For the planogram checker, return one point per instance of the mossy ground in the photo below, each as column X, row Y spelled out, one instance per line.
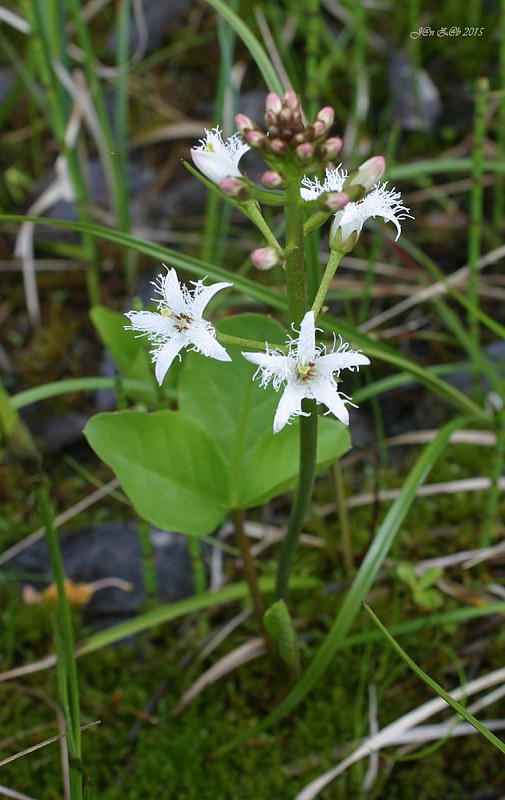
column 140, row 747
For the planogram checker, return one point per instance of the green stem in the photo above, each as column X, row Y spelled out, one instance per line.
column 476, row 204
column 66, row 637
column 148, row 563
column 252, row 212
column 226, row 338
column 237, row 518
column 491, row 526
column 295, row 254
column 334, row 260
column 499, row 197
column 295, row 285
column 199, row 580
column 307, row 473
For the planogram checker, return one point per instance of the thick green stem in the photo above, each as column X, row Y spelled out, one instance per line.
column 295, row 255
column 331, row 267
column 307, row 472
column 65, row 640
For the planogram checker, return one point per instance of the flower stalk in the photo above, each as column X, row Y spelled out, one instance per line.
column 295, row 255
column 306, row 477
column 333, row 264
column 237, row 518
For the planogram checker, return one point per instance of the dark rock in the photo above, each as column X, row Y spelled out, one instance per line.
column 53, row 433
column 112, row 550
column 416, row 104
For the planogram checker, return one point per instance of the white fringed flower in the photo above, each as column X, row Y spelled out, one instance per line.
column 219, row 159
column 178, row 323
column 379, row 202
column 307, row 371
column 333, row 182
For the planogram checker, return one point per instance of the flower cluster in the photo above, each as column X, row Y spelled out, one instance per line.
column 289, row 146
column 293, row 151
column 288, row 138
column 306, row 369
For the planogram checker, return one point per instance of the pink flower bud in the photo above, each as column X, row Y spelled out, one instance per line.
column 273, row 103
column 327, row 116
column 271, row 121
column 255, row 138
column 244, row 123
column 367, row 173
column 336, row 200
column 285, row 117
column 236, row 188
column 292, row 101
column 330, row 149
column 278, row 147
column 318, row 128
column 305, row 151
column 265, row 258
column 272, row 179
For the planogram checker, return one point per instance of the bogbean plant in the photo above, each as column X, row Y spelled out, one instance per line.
column 232, row 444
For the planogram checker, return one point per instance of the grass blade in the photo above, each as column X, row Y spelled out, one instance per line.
column 436, row 687
column 263, row 63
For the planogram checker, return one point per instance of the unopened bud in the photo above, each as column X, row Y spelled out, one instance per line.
column 272, row 179
column 367, row 174
column 327, row 116
column 335, row 201
column 278, row 147
column 244, row 123
column 255, row 138
column 273, row 103
column 271, row 122
column 317, row 129
column 285, row 117
column 265, row 258
column 292, row 101
column 237, row 188
column 329, row 150
column 305, row 151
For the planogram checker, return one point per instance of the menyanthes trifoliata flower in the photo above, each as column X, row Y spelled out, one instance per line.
column 379, row 202
column 307, row 371
column 348, row 222
column 178, row 323
column 333, row 182
column 219, row 159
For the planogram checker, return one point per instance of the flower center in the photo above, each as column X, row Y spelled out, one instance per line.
column 305, row 372
column 182, row 322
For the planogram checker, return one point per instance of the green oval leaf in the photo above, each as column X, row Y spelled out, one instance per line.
column 168, row 466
